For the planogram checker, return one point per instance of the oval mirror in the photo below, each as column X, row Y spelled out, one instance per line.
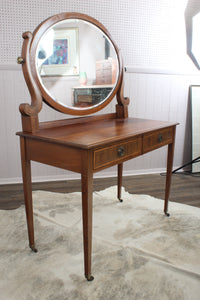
column 76, row 64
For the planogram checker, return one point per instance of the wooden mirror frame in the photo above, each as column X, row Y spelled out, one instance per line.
column 29, row 112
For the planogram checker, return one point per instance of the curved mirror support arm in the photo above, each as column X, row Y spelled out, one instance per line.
column 123, row 102
column 26, row 109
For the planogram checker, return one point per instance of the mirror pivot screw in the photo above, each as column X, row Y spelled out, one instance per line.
column 20, row 60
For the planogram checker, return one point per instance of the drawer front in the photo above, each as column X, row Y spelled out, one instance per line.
column 117, row 153
column 157, row 139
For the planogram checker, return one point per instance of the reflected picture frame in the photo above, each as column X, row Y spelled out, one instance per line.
column 63, row 57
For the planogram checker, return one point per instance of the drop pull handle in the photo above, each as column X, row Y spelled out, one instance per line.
column 120, row 151
column 160, row 138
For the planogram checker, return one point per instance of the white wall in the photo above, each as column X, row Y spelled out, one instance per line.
column 151, row 36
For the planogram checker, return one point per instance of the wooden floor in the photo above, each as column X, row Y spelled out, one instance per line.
column 184, row 189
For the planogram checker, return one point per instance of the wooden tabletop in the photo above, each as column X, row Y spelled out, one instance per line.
column 92, row 134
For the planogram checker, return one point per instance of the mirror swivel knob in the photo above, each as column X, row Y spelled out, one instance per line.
column 20, row 60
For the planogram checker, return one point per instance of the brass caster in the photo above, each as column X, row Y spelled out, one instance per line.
column 120, row 200
column 33, row 249
column 89, row 277
column 167, row 214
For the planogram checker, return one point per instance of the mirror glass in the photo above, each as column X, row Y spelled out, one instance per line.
column 77, row 64
column 195, row 103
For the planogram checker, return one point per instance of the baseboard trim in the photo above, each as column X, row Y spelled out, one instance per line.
column 75, row 176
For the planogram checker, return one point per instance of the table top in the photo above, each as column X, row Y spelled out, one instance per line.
column 97, row 133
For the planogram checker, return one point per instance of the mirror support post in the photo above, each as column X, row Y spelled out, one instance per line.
column 30, row 123
column 122, row 111
column 123, row 102
column 29, row 112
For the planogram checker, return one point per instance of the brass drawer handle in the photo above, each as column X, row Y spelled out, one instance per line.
column 160, row 138
column 120, row 151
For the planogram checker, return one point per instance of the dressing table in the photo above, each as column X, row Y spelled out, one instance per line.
column 83, row 144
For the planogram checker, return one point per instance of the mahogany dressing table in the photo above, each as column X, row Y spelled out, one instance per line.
column 83, row 144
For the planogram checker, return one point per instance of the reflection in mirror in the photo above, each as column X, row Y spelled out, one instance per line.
column 195, row 102
column 77, row 63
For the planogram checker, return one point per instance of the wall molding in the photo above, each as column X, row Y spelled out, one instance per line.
column 128, row 69
column 74, row 176
column 10, row 67
column 159, row 71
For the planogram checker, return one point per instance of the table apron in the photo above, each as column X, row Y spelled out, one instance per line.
column 56, row 155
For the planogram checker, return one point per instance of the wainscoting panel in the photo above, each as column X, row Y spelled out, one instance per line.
column 152, row 96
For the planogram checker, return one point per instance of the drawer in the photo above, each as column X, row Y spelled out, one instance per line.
column 157, row 139
column 117, row 153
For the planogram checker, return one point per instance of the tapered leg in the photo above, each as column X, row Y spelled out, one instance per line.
column 168, row 177
column 87, row 189
column 119, row 182
column 26, row 173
